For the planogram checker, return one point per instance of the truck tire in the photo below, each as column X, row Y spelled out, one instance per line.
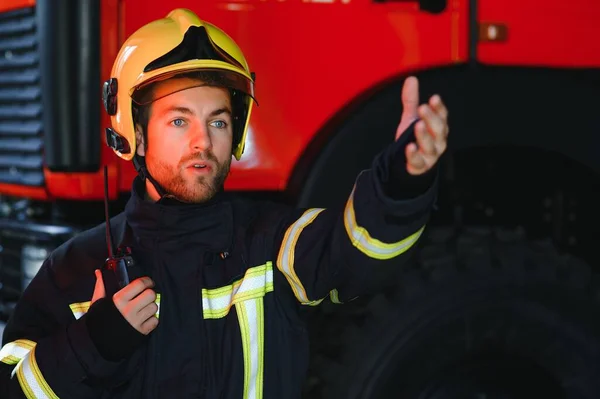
column 481, row 314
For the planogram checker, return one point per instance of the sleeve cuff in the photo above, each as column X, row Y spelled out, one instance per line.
column 390, row 170
column 112, row 335
column 394, row 186
column 67, row 365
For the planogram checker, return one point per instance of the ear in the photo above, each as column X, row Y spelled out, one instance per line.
column 139, row 139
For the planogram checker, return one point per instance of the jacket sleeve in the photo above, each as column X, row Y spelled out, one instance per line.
column 46, row 352
column 346, row 252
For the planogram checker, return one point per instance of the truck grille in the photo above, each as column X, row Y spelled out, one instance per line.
column 10, row 267
column 20, row 100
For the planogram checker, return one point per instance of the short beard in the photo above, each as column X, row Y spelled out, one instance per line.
column 178, row 187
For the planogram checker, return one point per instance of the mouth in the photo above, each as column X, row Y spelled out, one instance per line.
column 199, row 166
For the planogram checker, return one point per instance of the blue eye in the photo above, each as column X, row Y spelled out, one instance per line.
column 219, row 124
column 178, row 122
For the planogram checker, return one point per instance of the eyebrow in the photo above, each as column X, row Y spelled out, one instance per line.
column 188, row 111
column 224, row 110
column 182, row 110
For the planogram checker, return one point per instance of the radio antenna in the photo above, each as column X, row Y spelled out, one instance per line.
column 109, row 238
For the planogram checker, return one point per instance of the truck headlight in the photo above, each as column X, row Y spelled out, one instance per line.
column 32, row 258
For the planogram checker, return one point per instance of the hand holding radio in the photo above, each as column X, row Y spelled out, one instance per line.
column 136, row 302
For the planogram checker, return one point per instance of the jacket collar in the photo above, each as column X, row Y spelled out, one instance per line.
column 175, row 225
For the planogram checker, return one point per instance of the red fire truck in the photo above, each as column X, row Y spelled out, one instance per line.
column 503, row 297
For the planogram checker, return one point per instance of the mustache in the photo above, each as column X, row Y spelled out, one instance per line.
column 199, row 156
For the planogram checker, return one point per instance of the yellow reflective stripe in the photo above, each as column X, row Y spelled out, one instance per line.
column 252, row 321
column 10, row 359
column 370, row 246
column 256, row 283
column 247, row 296
column 80, row 308
column 157, row 301
column 314, row 303
column 13, row 352
column 31, row 379
column 335, row 297
column 285, row 260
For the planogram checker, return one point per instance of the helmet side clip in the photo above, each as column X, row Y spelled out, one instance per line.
column 117, row 142
column 109, row 96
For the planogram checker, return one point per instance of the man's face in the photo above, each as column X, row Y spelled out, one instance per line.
column 189, row 140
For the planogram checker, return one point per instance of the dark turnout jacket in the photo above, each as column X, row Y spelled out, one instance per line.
column 233, row 281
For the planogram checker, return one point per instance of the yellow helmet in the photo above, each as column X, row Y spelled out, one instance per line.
column 179, row 43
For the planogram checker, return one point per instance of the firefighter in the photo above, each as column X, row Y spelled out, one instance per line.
column 218, row 291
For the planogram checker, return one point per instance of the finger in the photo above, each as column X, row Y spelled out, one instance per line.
column 133, row 289
column 147, row 311
column 99, row 290
column 425, row 141
column 149, row 325
column 415, row 160
column 438, row 106
column 435, row 124
column 141, row 301
column 411, row 149
column 440, row 147
column 410, row 104
column 410, row 97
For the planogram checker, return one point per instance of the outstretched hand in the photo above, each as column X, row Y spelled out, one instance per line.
column 431, row 131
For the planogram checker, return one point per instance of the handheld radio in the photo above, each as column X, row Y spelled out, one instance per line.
column 120, row 261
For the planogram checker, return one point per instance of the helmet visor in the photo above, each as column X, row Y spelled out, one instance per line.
column 181, row 80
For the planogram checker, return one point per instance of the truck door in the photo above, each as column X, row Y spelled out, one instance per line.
column 550, row 33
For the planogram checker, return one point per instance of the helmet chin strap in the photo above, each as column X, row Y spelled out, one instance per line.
column 139, row 163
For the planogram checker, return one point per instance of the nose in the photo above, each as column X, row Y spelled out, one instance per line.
column 200, row 139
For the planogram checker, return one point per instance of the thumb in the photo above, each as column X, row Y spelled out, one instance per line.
column 410, row 104
column 99, row 291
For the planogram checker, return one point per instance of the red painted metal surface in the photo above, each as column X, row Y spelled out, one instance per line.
column 82, row 185
column 549, row 33
column 8, row 5
column 87, row 186
column 313, row 57
column 38, row 193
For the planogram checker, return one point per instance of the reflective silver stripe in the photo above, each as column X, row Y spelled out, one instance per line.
column 13, row 352
column 285, row 261
column 370, row 246
column 256, row 283
column 32, row 381
column 251, row 318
